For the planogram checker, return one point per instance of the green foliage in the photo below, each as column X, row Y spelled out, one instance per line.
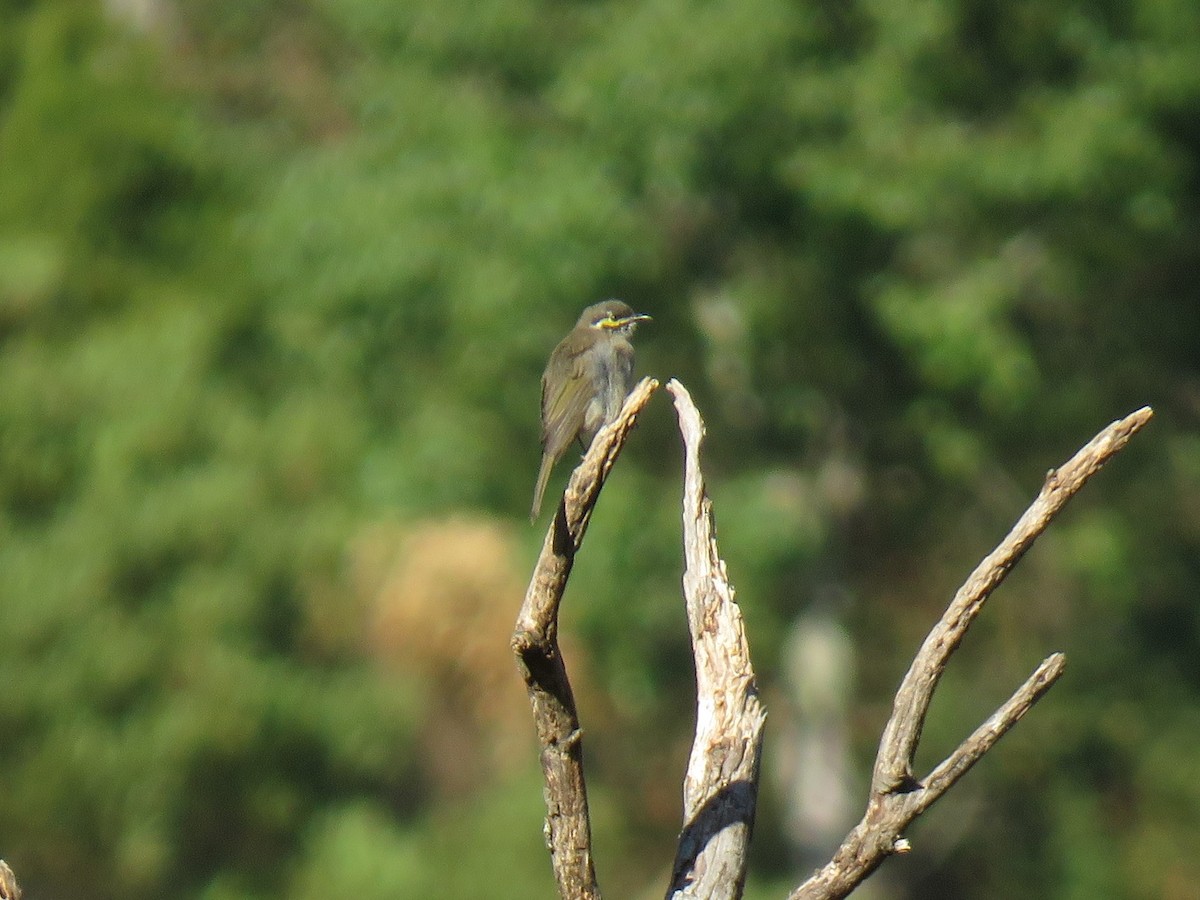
column 274, row 273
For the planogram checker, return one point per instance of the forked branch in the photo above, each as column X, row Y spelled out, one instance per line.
column 897, row 796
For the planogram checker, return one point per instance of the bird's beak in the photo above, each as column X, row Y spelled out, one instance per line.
column 636, row 317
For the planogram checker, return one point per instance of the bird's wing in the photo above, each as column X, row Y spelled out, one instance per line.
column 563, row 410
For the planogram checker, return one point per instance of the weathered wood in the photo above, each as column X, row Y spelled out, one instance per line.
column 535, row 643
column 897, row 796
column 721, row 786
column 9, row 889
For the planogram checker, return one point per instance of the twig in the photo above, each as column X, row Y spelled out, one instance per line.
column 897, row 797
column 535, row 643
column 721, row 786
column 969, row 752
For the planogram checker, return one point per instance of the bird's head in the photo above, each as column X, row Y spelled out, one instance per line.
column 611, row 317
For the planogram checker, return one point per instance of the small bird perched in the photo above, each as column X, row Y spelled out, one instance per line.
column 585, row 384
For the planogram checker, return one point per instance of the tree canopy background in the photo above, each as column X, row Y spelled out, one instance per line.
column 277, row 282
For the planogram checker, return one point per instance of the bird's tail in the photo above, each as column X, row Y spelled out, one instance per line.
column 540, row 489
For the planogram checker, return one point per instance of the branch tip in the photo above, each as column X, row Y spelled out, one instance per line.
column 720, row 788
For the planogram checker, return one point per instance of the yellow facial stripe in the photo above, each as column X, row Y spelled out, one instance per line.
column 610, row 321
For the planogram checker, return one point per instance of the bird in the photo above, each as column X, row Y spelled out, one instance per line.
column 588, row 377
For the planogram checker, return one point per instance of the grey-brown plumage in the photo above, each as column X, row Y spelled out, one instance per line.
column 588, row 377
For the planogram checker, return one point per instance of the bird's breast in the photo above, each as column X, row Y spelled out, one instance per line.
column 615, row 369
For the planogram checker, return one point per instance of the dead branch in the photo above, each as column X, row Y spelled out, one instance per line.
column 721, row 786
column 535, row 643
column 9, row 889
column 897, row 797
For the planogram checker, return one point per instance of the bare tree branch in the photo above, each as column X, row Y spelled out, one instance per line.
column 535, row 643
column 969, row 752
column 893, row 765
column 9, row 889
column 721, row 786
column 897, row 797
column 720, row 789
